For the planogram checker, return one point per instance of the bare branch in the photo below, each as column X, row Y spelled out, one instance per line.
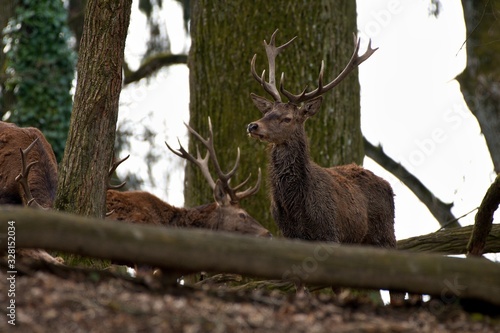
column 152, row 65
column 484, row 219
column 440, row 210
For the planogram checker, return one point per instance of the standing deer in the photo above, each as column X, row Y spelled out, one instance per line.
column 224, row 214
column 343, row 204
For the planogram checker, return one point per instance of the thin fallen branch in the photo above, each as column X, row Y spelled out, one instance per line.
column 311, row 262
column 440, row 210
column 484, row 219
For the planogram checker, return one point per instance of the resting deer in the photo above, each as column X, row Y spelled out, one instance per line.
column 224, row 214
column 36, row 185
column 343, row 204
column 15, row 186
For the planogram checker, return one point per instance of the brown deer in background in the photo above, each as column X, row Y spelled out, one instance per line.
column 344, row 204
column 225, row 214
column 35, row 184
column 35, row 187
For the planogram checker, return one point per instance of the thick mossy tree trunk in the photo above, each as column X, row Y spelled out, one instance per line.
column 83, row 172
column 480, row 80
column 225, row 36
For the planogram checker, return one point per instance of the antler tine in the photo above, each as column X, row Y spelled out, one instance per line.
column 354, row 62
column 201, row 163
column 250, row 191
column 227, row 176
column 271, row 51
column 291, row 97
column 114, row 166
column 22, row 178
column 262, row 81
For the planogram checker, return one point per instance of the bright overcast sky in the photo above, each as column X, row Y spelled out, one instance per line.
column 411, row 104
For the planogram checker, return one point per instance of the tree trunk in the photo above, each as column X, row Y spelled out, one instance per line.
column 225, row 35
column 310, row 262
column 484, row 219
column 480, row 81
column 83, row 172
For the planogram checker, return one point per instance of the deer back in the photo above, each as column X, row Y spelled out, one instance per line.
column 43, row 177
column 145, row 208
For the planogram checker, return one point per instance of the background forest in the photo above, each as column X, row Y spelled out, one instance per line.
column 429, row 95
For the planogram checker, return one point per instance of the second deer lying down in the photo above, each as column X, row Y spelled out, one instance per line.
column 223, row 214
column 30, row 178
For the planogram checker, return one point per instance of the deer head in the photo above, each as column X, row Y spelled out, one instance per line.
column 230, row 216
column 282, row 119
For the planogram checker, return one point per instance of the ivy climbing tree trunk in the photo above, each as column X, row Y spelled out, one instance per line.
column 83, row 171
column 225, row 35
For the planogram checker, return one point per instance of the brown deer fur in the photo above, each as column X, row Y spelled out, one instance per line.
column 145, row 208
column 43, row 176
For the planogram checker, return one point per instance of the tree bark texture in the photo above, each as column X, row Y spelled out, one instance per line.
column 310, row 262
column 484, row 219
column 225, row 36
column 83, row 171
column 450, row 241
column 480, row 81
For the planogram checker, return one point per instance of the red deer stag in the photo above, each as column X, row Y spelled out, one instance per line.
column 344, row 204
column 35, row 187
column 224, row 214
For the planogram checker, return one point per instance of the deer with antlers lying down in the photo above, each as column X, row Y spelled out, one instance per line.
column 343, row 204
column 36, row 185
column 223, row 214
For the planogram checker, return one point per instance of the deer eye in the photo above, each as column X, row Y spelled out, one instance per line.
column 242, row 216
column 286, row 120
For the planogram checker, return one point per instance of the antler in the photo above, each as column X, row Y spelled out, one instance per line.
column 272, row 51
column 22, row 178
column 270, row 87
column 112, row 169
column 202, row 164
column 354, row 62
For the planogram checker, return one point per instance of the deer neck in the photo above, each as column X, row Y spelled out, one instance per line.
column 204, row 216
column 290, row 163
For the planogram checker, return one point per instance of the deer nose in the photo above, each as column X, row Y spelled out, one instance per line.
column 252, row 127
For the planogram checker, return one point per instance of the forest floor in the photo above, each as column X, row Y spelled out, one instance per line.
column 51, row 299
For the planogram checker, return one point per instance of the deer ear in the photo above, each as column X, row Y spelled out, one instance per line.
column 310, row 108
column 264, row 105
column 220, row 195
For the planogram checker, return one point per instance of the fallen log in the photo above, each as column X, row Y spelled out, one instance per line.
column 450, row 241
column 311, row 262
